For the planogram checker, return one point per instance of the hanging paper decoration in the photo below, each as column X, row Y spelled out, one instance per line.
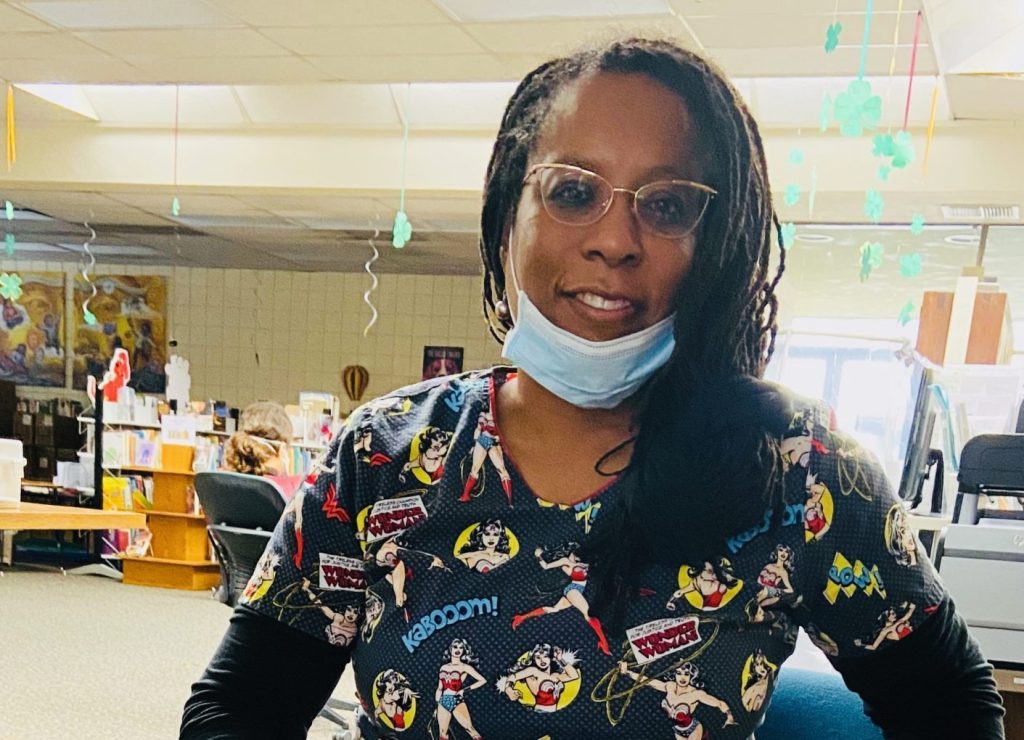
column 814, row 191
column 857, row 109
column 12, row 146
column 9, row 210
column 902, row 149
column 905, row 313
column 88, row 315
column 792, row 194
column 401, row 232
column 369, row 271
column 788, row 234
column 10, row 286
column 913, row 66
column 832, row 37
column 910, row 265
column 931, row 127
column 874, row 204
column 9, row 244
column 917, row 224
column 355, row 378
column 825, row 113
column 796, row 156
column 883, row 172
column 870, row 259
column 867, row 38
column 175, row 206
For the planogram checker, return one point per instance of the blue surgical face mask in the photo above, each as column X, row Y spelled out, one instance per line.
column 588, row 374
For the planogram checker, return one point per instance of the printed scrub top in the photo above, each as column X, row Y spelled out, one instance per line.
column 417, row 548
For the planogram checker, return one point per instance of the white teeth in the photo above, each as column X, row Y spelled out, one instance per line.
column 596, row 301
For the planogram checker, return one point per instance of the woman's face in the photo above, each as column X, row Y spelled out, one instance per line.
column 632, row 131
column 682, row 677
column 457, row 651
column 541, row 660
column 491, row 537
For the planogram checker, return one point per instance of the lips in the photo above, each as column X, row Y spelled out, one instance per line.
column 603, row 303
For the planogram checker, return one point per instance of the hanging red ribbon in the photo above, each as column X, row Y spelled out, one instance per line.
column 913, row 65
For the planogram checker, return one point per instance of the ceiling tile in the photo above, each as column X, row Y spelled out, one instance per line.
column 812, row 61
column 415, row 68
column 779, row 30
column 325, row 13
column 559, row 37
column 198, row 42
column 747, row 8
column 333, row 104
column 226, row 70
column 207, row 205
column 375, row 40
column 97, row 68
column 12, row 19
column 41, row 46
column 112, row 14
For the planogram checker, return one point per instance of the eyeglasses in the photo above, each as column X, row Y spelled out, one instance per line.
column 578, row 197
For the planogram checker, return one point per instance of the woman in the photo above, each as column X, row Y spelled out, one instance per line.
column 710, row 582
column 545, row 671
column 891, row 626
column 395, row 699
column 774, row 581
column 260, row 446
column 758, row 683
column 341, row 625
column 683, row 697
column 627, row 230
column 488, row 547
column 451, row 687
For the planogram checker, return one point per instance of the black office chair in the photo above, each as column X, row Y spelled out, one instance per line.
column 241, row 513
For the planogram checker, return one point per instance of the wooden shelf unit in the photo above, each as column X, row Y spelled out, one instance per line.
column 180, row 548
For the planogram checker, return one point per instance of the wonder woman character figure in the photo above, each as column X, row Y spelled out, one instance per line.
column 816, row 524
column 460, row 666
column 341, row 630
column 683, row 695
column 774, row 580
column 711, row 582
column 891, row 626
column 389, row 555
column 488, row 547
column 427, row 456
column 565, row 557
column 395, row 700
column 758, row 682
column 545, row 670
column 899, row 540
column 488, row 446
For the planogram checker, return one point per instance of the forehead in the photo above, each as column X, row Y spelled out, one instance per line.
column 618, row 122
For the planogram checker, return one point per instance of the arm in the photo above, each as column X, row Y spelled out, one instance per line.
column 262, row 665
column 671, row 605
column 654, row 683
column 705, row 698
column 479, row 680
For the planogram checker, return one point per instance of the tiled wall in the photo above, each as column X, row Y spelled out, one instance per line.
column 306, row 327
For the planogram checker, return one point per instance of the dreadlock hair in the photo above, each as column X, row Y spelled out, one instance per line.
column 705, row 464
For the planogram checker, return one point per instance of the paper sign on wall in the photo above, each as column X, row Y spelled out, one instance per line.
column 178, row 430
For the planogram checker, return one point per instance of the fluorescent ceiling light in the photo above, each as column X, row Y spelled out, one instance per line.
column 27, row 214
column 121, row 14
column 114, row 251
column 488, row 11
column 69, row 97
column 22, row 247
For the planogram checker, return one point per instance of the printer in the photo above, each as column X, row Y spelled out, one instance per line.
column 981, row 556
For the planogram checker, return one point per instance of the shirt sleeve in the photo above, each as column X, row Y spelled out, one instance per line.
column 311, row 576
column 866, row 581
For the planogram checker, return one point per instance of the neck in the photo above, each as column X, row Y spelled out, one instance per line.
column 550, row 416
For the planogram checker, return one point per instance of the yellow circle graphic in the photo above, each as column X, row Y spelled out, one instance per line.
column 463, row 540
column 696, row 599
column 570, row 690
column 408, row 716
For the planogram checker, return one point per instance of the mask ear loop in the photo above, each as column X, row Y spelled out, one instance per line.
column 504, row 308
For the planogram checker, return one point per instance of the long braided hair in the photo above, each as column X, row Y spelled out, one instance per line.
column 705, row 464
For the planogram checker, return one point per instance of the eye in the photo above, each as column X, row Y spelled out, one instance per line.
column 665, row 206
column 570, row 192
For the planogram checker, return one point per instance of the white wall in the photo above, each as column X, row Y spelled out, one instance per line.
column 306, row 327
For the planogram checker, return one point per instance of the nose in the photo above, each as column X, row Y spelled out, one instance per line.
column 615, row 237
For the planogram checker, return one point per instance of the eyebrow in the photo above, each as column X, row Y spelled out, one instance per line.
column 660, row 172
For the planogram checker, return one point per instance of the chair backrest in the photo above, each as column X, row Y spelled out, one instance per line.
column 238, row 551
column 238, row 500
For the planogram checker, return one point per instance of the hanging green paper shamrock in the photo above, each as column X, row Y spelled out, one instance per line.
column 857, row 109
column 910, row 265
column 825, row 112
column 796, row 156
column 788, row 234
column 9, row 244
column 883, row 172
column 792, row 194
column 905, row 313
column 874, row 204
column 917, row 224
column 9, row 208
column 903, row 149
column 10, row 286
column 883, row 145
column 832, row 37
column 402, row 230
column 175, row 207
column 870, row 259
column 90, row 317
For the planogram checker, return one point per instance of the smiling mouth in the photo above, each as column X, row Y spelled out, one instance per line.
column 603, row 304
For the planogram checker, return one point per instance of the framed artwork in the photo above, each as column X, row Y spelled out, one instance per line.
column 441, row 361
column 32, row 331
column 131, row 312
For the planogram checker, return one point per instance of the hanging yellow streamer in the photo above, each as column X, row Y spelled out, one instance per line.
column 12, row 149
column 931, row 126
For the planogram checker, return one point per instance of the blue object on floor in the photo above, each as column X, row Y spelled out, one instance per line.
column 808, row 705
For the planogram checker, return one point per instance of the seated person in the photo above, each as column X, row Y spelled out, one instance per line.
column 260, row 446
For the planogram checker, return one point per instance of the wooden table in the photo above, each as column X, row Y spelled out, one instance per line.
column 44, row 516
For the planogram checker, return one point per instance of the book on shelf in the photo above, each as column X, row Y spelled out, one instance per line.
column 140, row 544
